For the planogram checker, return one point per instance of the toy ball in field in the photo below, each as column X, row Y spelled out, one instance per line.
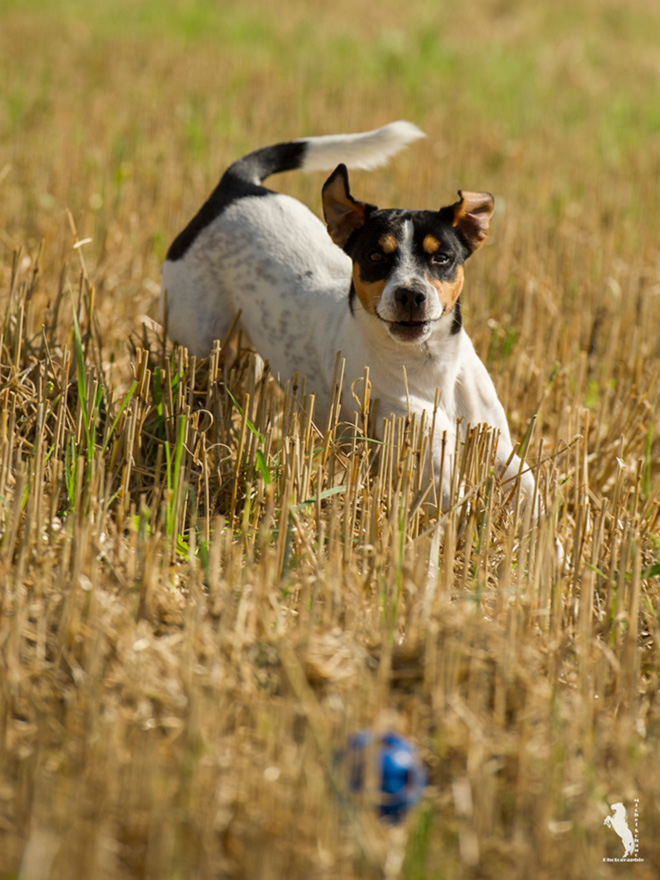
column 398, row 772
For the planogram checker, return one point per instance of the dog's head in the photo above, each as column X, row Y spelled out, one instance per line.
column 407, row 265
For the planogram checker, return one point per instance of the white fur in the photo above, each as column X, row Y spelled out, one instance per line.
column 366, row 150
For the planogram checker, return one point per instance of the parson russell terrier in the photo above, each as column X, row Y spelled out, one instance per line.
column 383, row 288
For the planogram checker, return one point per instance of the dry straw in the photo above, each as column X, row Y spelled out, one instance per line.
column 204, row 592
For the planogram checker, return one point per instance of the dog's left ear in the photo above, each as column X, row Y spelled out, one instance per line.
column 471, row 216
column 343, row 214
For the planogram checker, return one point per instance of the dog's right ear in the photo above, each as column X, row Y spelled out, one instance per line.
column 343, row 214
column 471, row 216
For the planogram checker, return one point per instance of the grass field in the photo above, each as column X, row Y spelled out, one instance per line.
column 201, row 593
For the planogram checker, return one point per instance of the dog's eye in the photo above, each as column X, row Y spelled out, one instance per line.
column 440, row 259
column 377, row 256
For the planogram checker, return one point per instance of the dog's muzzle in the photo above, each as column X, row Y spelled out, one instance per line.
column 409, row 311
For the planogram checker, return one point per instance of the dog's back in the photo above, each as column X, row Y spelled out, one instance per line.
column 250, row 247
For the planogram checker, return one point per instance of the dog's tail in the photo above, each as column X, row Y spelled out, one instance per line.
column 366, row 150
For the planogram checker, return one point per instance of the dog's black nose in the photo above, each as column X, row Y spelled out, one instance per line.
column 410, row 297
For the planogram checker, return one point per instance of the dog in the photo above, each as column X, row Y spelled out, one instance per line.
column 383, row 288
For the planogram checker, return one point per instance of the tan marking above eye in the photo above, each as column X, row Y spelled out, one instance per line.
column 449, row 291
column 387, row 243
column 430, row 244
column 369, row 293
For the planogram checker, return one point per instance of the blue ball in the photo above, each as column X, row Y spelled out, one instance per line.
column 401, row 773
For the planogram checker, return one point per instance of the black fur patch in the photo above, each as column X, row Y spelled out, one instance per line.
column 457, row 323
column 241, row 179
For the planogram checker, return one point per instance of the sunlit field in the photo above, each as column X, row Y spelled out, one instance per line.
column 204, row 593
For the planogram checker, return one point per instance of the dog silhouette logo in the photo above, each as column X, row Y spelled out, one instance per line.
column 618, row 822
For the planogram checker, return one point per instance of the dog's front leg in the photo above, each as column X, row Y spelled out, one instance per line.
column 446, row 457
column 510, row 467
column 478, row 404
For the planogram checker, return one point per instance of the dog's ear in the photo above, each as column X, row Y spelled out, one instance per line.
column 343, row 214
column 471, row 216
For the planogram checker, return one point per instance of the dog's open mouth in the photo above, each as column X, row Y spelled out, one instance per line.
column 409, row 331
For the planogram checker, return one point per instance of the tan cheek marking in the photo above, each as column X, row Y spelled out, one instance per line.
column 369, row 294
column 449, row 291
column 430, row 244
column 387, row 244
